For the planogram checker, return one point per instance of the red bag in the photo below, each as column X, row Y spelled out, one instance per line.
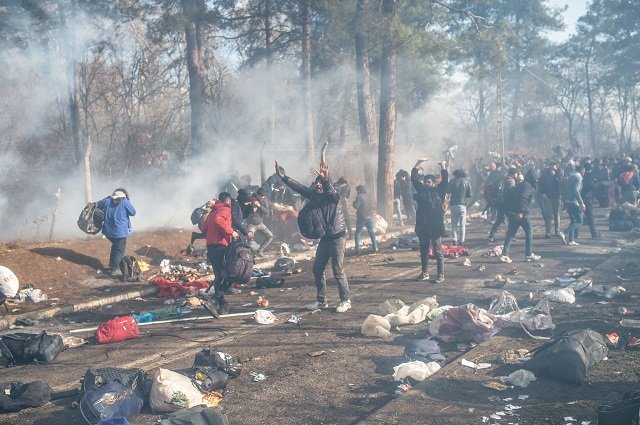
column 118, row 329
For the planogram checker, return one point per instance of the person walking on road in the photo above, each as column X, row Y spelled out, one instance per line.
column 574, row 205
column 460, row 190
column 117, row 225
column 364, row 218
column 326, row 198
column 430, row 217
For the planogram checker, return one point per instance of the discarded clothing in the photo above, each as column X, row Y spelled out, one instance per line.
column 170, row 289
column 463, row 323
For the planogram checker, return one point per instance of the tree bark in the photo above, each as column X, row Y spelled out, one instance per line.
column 366, row 109
column 194, row 33
column 515, row 106
column 306, row 77
column 587, row 75
column 386, row 143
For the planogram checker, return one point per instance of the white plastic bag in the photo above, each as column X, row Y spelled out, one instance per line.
column 564, row 295
column 417, row 370
column 391, row 306
column 380, row 225
column 264, row 317
column 9, row 283
column 521, row 378
column 375, row 325
column 171, row 391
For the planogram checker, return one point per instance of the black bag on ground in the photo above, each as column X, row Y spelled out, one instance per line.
column 197, row 415
column 207, row 378
column 284, row 265
column 109, row 400
column 569, row 357
column 91, row 219
column 620, row 220
column 23, row 348
column 311, row 221
column 16, row 396
column 132, row 378
column 624, row 412
column 239, row 261
column 130, row 269
column 210, row 357
column 269, row 282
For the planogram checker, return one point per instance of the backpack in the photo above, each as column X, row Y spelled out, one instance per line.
column 197, row 415
column 239, row 261
column 624, row 179
column 23, row 348
column 284, row 265
column 210, row 357
column 312, row 222
column 112, row 399
column 118, row 329
column 132, row 378
column 16, row 396
column 130, row 269
column 198, row 215
column 569, row 357
column 91, row 219
column 620, row 220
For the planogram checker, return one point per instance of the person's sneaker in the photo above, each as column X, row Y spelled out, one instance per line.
column 316, row 305
column 573, row 243
column 562, row 238
column 439, row 279
column 532, row 257
column 505, row 259
column 423, row 276
column 343, row 306
column 224, row 308
column 211, row 305
column 492, row 239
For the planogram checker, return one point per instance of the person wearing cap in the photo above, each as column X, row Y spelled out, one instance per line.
column 430, row 217
column 117, row 225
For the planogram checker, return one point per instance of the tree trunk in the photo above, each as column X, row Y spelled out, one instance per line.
column 366, row 109
column 194, row 34
column 74, row 102
column 515, row 106
column 587, row 74
column 268, row 42
column 386, row 143
column 306, row 77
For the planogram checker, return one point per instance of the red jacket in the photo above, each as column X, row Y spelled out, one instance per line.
column 217, row 226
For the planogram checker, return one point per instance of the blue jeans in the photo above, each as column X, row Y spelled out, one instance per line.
column 330, row 249
column 368, row 223
column 458, row 222
column 118, row 247
column 514, row 225
column 576, row 217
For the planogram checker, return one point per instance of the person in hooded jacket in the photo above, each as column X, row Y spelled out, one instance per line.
column 574, row 204
column 459, row 190
column 117, row 225
column 364, row 218
column 219, row 232
column 517, row 203
column 331, row 246
column 430, row 217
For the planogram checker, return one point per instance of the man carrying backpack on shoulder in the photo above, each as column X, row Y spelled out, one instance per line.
column 219, row 232
column 117, row 225
column 326, row 199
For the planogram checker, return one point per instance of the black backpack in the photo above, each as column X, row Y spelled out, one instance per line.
column 198, row 214
column 130, row 269
column 24, row 348
column 210, row 357
column 569, row 357
column 284, row 265
column 311, row 221
column 91, row 219
column 239, row 261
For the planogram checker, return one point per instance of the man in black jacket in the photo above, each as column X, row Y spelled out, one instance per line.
column 331, row 246
column 549, row 190
column 430, row 217
column 517, row 202
column 459, row 189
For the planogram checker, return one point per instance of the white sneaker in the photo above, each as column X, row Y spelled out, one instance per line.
column 344, row 306
column 505, row 259
column 533, row 257
column 573, row 243
column 317, row 305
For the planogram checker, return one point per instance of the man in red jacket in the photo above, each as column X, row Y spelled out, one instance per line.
column 219, row 232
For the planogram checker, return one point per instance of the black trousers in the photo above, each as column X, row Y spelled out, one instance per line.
column 215, row 256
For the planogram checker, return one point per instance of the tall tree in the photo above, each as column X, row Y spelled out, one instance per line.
column 305, row 10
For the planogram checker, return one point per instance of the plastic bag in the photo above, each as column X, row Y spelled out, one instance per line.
column 9, row 283
column 521, row 378
column 564, row 295
column 391, row 306
column 376, row 326
column 504, row 303
column 171, row 391
column 264, row 317
column 417, row 370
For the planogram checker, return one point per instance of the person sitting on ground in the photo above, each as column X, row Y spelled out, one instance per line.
column 430, row 217
column 331, row 246
column 219, row 233
column 364, row 218
column 517, row 203
column 460, row 190
column 116, row 227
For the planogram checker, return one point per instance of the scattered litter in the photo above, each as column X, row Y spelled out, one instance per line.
column 106, row 290
column 417, row 370
column 511, row 407
column 521, row 378
column 514, row 272
column 494, row 398
column 375, row 325
column 570, row 419
column 473, row 365
column 466, row 262
column 169, row 302
column 73, row 341
column 513, row 356
column 495, row 385
column 262, row 302
column 31, row 294
column 606, row 291
column 257, row 377
column 539, row 265
column 497, row 282
column 193, row 302
column 602, row 302
column 295, row 319
column 563, row 295
column 403, row 388
column 523, row 397
column 624, row 311
column 481, row 268
column 165, row 266
column 264, row 317
column 316, row 353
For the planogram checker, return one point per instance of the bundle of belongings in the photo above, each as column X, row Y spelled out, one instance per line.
column 191, row 396
column 24, row 348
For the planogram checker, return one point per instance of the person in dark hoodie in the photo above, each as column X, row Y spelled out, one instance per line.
column 549, row 190
column 364, row 217
column 220, row 232
column 430, row 217
column 117, row 225
column 517, row 202
column 459, row 190
column 574, row 205
column 326, row 198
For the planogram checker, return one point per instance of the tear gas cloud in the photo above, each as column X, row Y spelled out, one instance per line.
column 35, row 92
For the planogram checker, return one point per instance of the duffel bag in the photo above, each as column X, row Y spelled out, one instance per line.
column 23, row 348
column 118, row 329
column 110, row 400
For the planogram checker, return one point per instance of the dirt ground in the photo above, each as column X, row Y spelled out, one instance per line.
column 351, row 382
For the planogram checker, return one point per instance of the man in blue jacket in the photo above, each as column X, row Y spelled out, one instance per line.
column 117, row 224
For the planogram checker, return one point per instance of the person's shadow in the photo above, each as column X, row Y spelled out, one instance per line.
column 69, row 255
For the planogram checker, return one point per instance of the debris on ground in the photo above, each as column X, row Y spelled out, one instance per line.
column 415, row 370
